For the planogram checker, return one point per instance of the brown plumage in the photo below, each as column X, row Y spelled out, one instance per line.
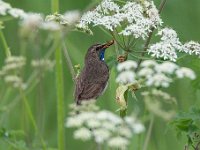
column 93, row 78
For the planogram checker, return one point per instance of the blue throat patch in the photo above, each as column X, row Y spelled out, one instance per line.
column 101, row 54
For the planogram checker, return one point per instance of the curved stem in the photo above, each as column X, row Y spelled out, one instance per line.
column 6, row 48
column 148, row 133
column 31, row 117
column 68, row 59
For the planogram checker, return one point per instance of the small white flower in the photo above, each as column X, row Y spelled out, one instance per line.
column 130, row 120
column 83, row 134
column 72, row 16
column 89, row 17
column 163, row 50
column 107, row 6
column 125, row 131
column 31, row 21
column 93, row 123
column 114, row 118
column 74, row 122
column 109, row 22
column 126, row 77
column 13, row 78
column 191, row 48
column 158, row 80
column 148, row 63
column 144, row 72
column 15, row 12
column 185, row 72
column 162, row 94
column 134, row 124
column 4, row 7
column 166, row 67
column 84, row 116
column 14, row 63
column 138, row 127
column 106, row 115
column 101, row 135
column 153, row 14
column 137, row 30
column 168, row 45
column 15, row 81
column 45, row 64
column 118, row 142
column 107, row 125
column 126, row 65
column 51, row 25
column 133, row 11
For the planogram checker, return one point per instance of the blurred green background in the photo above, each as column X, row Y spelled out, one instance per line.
column 181, row 15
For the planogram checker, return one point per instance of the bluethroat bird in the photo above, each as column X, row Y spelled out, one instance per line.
column 93, row 78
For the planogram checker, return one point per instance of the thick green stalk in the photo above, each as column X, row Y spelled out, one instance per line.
column 6, row 48
column 60, row 98
column 59, row 84
column 54, row 6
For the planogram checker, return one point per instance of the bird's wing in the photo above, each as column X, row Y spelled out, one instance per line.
column 78, row 88
column 88, row 90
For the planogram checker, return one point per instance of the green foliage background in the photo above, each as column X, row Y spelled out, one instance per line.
column 181, row 15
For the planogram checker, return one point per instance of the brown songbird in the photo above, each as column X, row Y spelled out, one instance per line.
column 94, row 77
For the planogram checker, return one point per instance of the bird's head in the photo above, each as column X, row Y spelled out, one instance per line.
column 97, row 51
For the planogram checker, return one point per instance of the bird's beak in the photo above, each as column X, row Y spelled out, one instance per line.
column 108, row 44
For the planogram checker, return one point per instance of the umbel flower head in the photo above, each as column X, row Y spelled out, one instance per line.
column 102, row 126
column 152, row 74
column 138, row 17
column 11, row 70
column 170, row 44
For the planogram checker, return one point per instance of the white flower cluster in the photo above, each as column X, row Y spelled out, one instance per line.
column 191, row 48
column 102, row 126
column 161, row 95
column 169, row 45
column 153, row 73
column 52, row 22
column 5, row 8
column 139, row 17
column 126, row 70
column 11, row 70
column 43, row 64
column 31, row 21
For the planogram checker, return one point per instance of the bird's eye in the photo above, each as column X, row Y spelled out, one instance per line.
column 99, row 47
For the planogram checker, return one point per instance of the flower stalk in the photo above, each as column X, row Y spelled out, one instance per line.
column 6, row 48
column 59, row 84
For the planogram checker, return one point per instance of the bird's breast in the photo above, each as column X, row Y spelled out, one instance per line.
column 97, row 72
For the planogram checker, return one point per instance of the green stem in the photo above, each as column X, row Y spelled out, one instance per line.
column 31, row 84
column 68, row 59
column 60, row 98
column 6, row 48
column 148, row 133
column 55, row 6
column 30, row 115
column 59, row 84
